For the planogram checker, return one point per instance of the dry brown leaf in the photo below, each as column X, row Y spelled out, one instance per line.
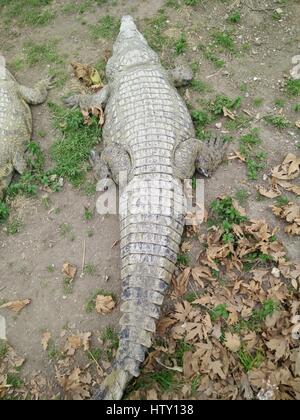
column 45, row 340
column 201, row 272
column 69, row 270
column 74, row 342
column 86, row 74
column 73, row 384
column 271, row 193
column 289, row 187
column 16, row 305
column 280, row 345
column 289, row 169
column 104, row 304
column 180, row 283
column 232, row 342
column 163, row 324
column 297, row 123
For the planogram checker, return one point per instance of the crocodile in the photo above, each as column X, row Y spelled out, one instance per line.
column 149, row 136
column 16, row 122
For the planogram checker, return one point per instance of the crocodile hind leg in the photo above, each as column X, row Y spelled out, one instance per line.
column 87, row 101
column 38, row 94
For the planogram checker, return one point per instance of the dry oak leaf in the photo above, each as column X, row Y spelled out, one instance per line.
column 45, row 340
column 69, row 270
column 104, row 304
column 232, row 342
column 16, row 305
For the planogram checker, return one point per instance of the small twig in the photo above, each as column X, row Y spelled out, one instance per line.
column 214, row 74
column 97, row 364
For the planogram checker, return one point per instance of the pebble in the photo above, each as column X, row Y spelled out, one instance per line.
column 219, row 125
column 275, row 272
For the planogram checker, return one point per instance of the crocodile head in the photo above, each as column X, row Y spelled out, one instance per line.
column 130, row 49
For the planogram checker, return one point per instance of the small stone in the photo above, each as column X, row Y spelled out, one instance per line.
column 275, row 272
column 61, row 182
column 219, row 125
column 265, row 177
column 279, row 11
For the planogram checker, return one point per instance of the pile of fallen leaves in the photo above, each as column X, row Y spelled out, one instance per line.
column 280, row 180
column 233, row 331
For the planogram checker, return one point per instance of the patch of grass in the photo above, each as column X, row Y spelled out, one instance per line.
column 14, row 380
column 250, row 361
column 199, row 86
column 240, row 121
column 89, row 269
column 67, row 286
column 111, row 340
column 89, row 188
column 191, row 296
column 54, row 353
column 258, row 316
column 278, row 121
column 257, row 102
column 27, row 12
column 14, row 226
column 292, row 87
column 4, row 212
column 165, row 379
column 80, row 8
column 225, row 216
column 65, row 230
column 173, row 3
column 279, row 102
column 154, row 31
column 180, row 45
column 255, row 160
column 107, row 27
column 276, row 15
column 281, row 201
column 17, row 64
column 181, row 348
column 234, row 17
column 183, row 259
column 192, row 2
column 200, row 119
column 28, row 183
column 42, row 53
column 210, row 55
column 71, row 152
column 242, row 196
column 94, row 354
column 90, row 303
column 224, row 40
column 222, row 101
column 296, row 107
column 51, row 268
column 195, row 383
column 88, row 214
column 220, row 311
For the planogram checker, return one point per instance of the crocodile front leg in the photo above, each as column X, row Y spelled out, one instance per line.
column 87, row 101
column 113, row 160
column 38, row 94
column 204, row 156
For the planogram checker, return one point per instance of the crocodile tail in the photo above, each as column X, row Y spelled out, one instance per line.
column 112, row 388
column 151, row 233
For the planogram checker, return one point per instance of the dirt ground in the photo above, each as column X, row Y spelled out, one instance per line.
column 266, row 45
